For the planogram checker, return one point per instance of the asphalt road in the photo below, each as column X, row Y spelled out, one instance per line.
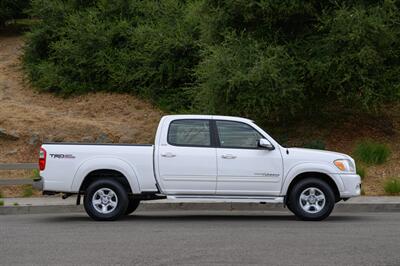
column 201, row 237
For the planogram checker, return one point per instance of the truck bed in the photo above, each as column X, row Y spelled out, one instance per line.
column 68, row 162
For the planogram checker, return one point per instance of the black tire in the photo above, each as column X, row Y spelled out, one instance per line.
column 305, row 185
column 132, row 206
column 120, row 196
column 289, row 207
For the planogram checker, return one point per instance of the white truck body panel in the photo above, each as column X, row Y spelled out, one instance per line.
column 203, row 171
column 135, row 162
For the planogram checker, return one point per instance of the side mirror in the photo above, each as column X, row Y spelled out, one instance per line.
column 264, row 143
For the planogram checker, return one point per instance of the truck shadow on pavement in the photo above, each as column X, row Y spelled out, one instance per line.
column 165, row 217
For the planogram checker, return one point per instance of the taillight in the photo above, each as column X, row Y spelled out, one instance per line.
column 42, row 159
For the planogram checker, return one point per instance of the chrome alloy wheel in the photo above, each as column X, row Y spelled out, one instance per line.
column 312, row 200
column 104, row 200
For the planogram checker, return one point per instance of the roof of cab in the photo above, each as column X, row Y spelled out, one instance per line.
column 215, row 117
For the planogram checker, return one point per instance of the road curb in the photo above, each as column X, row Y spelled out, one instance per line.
column 198, row 206
column 368, row 207
column 40, row 209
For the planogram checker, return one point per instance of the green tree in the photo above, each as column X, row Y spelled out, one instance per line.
column 265, row 59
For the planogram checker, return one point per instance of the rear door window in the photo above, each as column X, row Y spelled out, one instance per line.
column 190, row 132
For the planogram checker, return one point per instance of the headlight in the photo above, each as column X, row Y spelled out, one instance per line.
column 344, row 165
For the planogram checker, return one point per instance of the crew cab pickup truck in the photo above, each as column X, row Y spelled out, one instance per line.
column 199, row 157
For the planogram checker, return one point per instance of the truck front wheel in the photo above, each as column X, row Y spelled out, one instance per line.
column 105, row 200
column 311, row 199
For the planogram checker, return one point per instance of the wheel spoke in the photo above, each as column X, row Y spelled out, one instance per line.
column 312, row 191
column 320, row 198
column 97, row 201
column 303, row 197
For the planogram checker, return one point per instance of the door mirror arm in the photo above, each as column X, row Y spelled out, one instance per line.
column 265, row 144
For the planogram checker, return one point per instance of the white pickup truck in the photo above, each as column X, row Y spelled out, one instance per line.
column 199, row 157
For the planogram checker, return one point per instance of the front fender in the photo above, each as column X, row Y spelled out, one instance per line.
column 108, row 163
column 311, row 167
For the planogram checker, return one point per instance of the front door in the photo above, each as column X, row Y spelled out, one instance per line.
column 243, row 167
column 187, row 163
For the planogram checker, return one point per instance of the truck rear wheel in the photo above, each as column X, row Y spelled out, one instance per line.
column 132, row 206
column 105, row 200
column 311, row 199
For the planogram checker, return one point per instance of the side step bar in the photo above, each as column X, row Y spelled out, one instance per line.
column 226, row 198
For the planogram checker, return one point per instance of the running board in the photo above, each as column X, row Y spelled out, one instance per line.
column 226, row 198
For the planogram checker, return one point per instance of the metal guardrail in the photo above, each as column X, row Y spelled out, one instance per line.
column 17, row 166
column 13, row 182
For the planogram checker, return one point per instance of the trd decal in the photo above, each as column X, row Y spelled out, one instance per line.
column 62, row 156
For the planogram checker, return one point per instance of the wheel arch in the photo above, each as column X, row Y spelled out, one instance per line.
column 108, row 168
column 105, row 173
column 323, row 176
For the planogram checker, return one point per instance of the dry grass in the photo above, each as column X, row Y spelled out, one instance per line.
column 26, row 111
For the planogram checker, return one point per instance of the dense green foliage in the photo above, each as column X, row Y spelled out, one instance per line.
column 371, row 152
column 12, row 9
column 361, row 171
column 264, row 59
column 392, row 186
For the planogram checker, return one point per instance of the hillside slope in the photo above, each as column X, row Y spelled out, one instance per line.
column 35, row 117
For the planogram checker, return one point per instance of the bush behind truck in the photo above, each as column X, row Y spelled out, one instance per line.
column 263, row 59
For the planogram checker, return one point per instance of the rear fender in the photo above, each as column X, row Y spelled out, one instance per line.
column 100, row 163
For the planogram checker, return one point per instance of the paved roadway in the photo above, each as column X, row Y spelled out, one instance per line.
column 201, row 237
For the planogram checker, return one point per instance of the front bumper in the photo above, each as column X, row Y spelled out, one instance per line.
column 38, row 184
column 352, row 185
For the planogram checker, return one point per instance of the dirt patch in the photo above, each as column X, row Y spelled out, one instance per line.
column 37, row 116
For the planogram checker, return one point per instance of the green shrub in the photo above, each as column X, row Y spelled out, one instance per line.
column 315, row 144
column 392, row 186
column 246, row 77
column 269, row 60
column 35, row 174
column 1, row 194
column 1, row 202
column 15, row 204
column 27, row 191
column 143, row 47
column 361, row 171
column 371, row 152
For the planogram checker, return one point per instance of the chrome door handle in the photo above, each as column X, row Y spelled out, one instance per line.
column 228, row 156
column 168, row 155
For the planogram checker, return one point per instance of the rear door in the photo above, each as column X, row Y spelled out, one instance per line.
column 187, row 159
column 243, row 167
